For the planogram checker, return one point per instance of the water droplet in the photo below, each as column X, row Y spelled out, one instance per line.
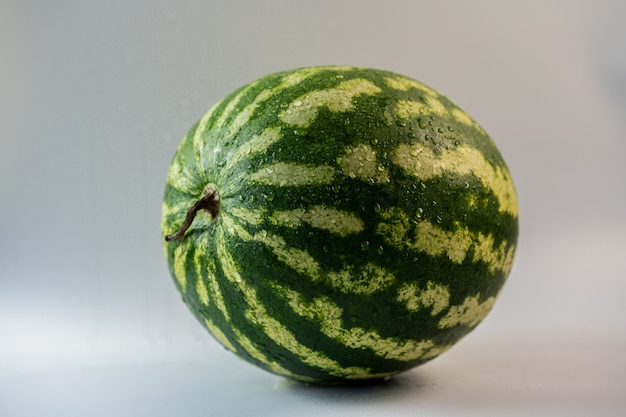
column 297, row 103
column 380, row 250
column 387, row 122
column 450, row 128
column 401, row 123
column 427, row 137
column 423, row 185
column 365, row 245
column 435, row 203
column 373, row 141
column 419, row 212
column 421, row 123
column 440, row 130
column 378, row 208
column 412, row 135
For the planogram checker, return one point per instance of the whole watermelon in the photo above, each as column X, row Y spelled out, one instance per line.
column 333, row 224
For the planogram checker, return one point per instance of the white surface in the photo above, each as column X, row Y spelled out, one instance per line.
column 95, row 97
column 486, row 378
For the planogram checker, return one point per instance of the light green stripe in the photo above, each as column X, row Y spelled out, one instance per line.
column 254, row 217
column 422, row 162
column 200, row 140
column 396, row 229
column 497, row 258
column 180, row 178
column 365, row 280
column 180, row 263
column 297, row 259
column 399, row 231
column 338, row 222
column 205, row 267
column 233, row 105
column 406, row 109
column 257, row 354
column 361, row 162
column 435, row 241
column 434, row 296
column 405, row 84
column 291, row 174
column 256, row 145
column 329, row 317
column 219, row 335
column 303, row 111
column 245, row 115
column 468, row 313
column 167, row 210
column 202, row 291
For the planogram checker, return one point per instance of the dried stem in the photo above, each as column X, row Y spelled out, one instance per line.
column 210, row 201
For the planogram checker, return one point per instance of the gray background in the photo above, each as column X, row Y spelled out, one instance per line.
column 95, row 97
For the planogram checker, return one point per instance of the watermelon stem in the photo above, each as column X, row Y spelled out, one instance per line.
column 210, row 201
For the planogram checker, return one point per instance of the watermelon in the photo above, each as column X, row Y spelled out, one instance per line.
column 338, row 224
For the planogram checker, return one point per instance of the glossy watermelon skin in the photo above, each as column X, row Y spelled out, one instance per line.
column 365, row 224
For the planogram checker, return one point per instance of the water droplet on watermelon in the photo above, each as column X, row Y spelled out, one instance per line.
column 365, row 245
column 297, row 103
column 401, row 123
column 387, row 122
column 440, row 130
column 421, row 123
column 380, row 250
